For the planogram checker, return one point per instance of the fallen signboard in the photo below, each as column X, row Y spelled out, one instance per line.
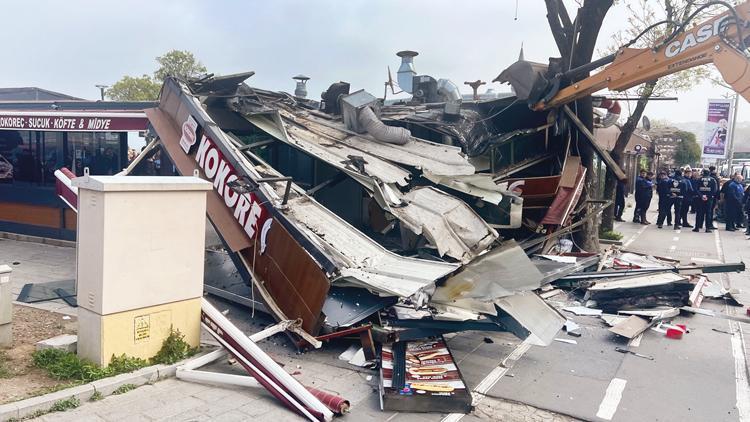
column 422, row 376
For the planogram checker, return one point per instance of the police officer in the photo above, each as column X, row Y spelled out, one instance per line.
column 704, row 201
column 663, row 184
column 677, row 190
column 733, row 196
column 620, row 195
column 717, row 198
column 687, row 199
column 644, row 190
column 746, row 200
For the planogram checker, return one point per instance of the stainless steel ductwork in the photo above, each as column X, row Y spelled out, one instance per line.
column 380, row 131
column 448, row 90
column 406, row 72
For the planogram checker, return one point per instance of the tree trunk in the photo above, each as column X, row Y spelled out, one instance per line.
column 576, row 44
column 610, row 182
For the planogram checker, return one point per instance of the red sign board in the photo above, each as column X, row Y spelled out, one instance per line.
column 85, row 122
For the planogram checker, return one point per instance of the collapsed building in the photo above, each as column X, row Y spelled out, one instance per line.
column 330, row 211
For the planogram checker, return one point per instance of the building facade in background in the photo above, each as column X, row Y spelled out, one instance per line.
column 42, row 131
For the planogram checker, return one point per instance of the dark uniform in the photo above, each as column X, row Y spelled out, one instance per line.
column 665, row 203
column 704, row 202
column 733, row 204
column 619, row 200
column 677, row 190
column 717, row 198
column 644, row 190
column 685, row 206
column 747, row 208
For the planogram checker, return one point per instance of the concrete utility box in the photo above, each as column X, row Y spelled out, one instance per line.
column 6, row 307
column 140, row 262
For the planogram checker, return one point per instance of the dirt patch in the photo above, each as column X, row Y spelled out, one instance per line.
column 19, row 379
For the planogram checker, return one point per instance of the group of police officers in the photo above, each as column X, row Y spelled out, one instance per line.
column 685, row 188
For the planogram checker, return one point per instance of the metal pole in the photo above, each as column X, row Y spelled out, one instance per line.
column 730, row 135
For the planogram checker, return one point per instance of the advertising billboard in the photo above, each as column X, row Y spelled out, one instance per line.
column 715, row 136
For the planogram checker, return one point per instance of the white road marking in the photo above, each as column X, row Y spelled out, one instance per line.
column 611, row 400
column 742, row 386
column 740, row 373
column 676, row 238
column 635, row 236
column 673, row 247
column 492, row 378
column 678, row 231
column 636, row 341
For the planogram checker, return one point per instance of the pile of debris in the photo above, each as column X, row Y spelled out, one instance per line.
column 633, row 292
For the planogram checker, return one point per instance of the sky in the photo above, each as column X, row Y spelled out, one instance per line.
column 73, row 45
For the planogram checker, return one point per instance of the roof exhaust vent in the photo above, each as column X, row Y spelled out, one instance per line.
column 301, row 89
column 406, row 72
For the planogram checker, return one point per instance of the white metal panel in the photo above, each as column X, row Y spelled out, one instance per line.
column 436, row 158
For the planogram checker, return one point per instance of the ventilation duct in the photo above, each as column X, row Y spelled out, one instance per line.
column 406, row 72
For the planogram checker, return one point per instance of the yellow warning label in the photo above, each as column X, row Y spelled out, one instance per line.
column 142, row 327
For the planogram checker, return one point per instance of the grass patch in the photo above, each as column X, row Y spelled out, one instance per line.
column 5, row 372
column 64, row 405
column 63, row 365
column 174, row 349
column 610, row 235
column 59, row 406
column 96, row 396
column 124, row 389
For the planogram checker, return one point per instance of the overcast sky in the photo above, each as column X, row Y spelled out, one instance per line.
column 69, row 46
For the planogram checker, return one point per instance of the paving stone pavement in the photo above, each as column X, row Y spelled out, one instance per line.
column 175, row 400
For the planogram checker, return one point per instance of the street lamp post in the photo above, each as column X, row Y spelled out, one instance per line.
column 101, row 89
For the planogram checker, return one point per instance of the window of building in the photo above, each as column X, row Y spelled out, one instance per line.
column 33, row 157
column 17, row 162
column 99, row 151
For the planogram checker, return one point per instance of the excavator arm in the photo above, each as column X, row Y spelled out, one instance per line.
column 719, row 40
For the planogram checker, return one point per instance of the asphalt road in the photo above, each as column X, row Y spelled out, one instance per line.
column 702, row 377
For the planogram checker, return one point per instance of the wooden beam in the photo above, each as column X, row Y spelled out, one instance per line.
column 603, row 154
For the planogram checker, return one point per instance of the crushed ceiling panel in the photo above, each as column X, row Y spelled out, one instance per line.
column 438, row 159
column 447, row 222
column 503, row 271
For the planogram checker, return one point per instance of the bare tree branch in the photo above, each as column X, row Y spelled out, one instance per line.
column 559, row 32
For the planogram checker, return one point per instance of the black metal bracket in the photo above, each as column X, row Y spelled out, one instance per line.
column 246, row 185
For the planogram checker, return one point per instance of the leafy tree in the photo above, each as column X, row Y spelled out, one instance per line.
column 178, row 63
column 643, row 14
column 688, row 151
column 130, row 88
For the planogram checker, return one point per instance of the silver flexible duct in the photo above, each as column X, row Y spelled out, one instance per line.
column 380, row 131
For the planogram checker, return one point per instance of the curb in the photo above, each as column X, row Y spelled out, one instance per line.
column 83, row 393
column 610, row 242
column 37, row 239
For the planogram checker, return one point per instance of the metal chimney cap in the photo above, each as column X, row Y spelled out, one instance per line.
column 407, row 53
column 300, row 77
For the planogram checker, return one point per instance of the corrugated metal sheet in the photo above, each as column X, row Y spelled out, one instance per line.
column 333, row 153
column 444, row 160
